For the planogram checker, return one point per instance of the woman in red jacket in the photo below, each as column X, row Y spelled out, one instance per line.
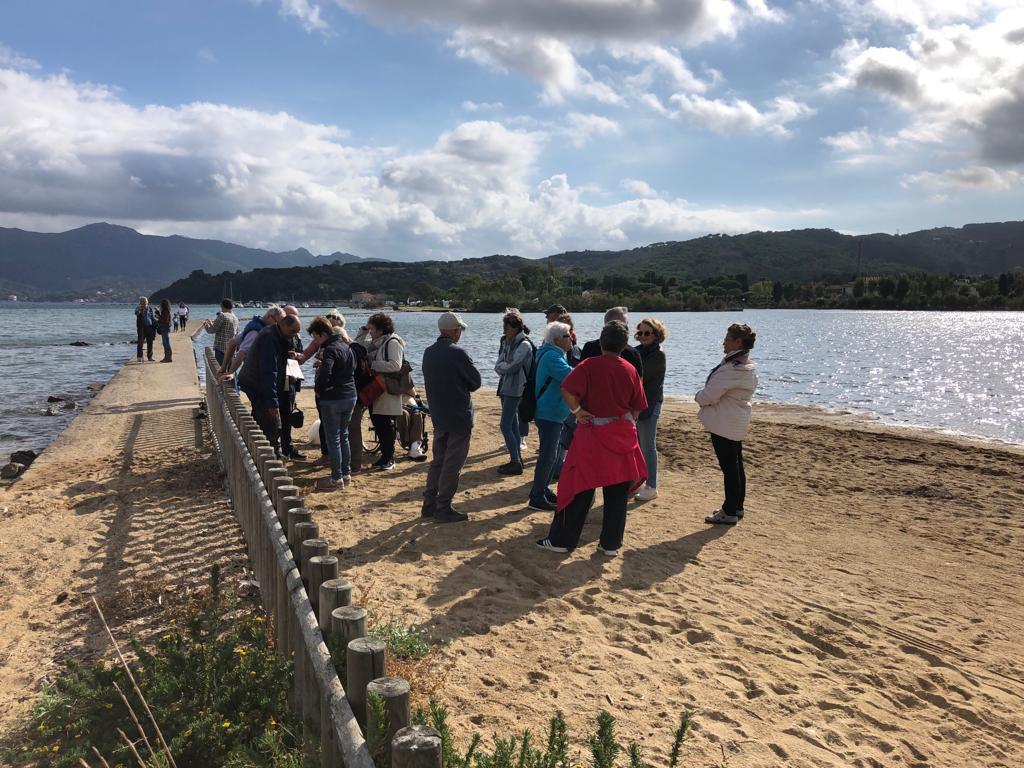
column 605, row 394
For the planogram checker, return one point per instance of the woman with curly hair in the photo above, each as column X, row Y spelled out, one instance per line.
column 385, row 351
column 725, row 413
column 651, row 333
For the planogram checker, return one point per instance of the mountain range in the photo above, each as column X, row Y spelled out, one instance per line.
column 114, row 262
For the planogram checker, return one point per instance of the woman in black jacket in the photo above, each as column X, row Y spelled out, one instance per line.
column 336, row 397
column 651, row 333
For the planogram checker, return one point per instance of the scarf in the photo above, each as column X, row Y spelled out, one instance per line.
column 728, row 358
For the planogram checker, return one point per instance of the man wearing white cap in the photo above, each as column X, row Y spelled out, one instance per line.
column 449, row 378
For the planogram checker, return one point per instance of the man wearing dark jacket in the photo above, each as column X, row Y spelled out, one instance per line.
column 630, row 355
column 264, row 374
column 449, row 378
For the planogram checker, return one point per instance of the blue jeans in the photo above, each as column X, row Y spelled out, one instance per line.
column 647, row 433
column 550, row 432
column 335, row 416
column 165, row 337
column 510, row 427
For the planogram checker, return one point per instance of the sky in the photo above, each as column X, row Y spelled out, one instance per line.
column 415, row 129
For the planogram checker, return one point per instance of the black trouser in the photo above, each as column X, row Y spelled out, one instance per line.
column 270, row 425
column 450, row 452
column 730, row 459
column 323, row 432
column 287, row 400
column 146, row 335
column 385, row 429
column 568, row 524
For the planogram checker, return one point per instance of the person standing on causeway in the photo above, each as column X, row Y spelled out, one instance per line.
column 449, row 378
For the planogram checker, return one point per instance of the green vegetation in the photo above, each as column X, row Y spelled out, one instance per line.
column 216, row 688
column 404, row 641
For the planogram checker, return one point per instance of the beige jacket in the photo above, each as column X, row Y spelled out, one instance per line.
column 387, row 404
column 725, row 399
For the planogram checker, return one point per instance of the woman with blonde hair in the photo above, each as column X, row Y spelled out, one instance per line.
column 651, row 333
column 725, row 413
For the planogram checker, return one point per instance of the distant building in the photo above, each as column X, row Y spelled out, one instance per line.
column 12, row 297
column 367, row 299
column 846, row 289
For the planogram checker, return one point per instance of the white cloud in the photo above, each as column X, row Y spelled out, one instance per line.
column 545, row 59
column 581, row 128
column 11, row 58
column 740, row 116
column 483, row 106
column 306, row 12
column 660, row 60
column 206, row 56
column 72, row 153
column 639, row 188
column 972, row 178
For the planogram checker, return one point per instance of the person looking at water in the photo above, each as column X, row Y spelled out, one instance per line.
column 515, row 358
column 449, row 379
column 552, row 368
column 163, row 327
column 336, row 397
column 606, row 395
column 145, row 327
column 264, row 373
column 385, row 351
column 651, row 333
column 182, row 316
column 593, row 348
column 725, row 413
column 223, row 327
column 238, row 347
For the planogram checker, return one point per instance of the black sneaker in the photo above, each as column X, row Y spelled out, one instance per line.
column 551, row 496
column 512, row 468
column 543, row 505
column 546, row 544
column 383, row 466
column 428, row 509
column 296, row 455
column 450, row 515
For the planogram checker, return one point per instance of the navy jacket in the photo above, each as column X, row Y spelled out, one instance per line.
column 335, row 378
column 449, row 377
column 630, row 355
column 263, row 375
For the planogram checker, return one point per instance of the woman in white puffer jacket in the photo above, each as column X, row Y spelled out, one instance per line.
column 725, row 413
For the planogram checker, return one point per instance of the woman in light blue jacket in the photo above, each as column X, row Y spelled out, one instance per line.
column 552, row 368
column 515, row 357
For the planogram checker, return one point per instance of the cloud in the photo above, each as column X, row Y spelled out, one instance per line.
column 13, row 59
column 206, row 56
column 972, row 178
column 307, row 13
column 740, row 116
column 639, row 188
column 485, row 106
column 581, row 128
column 74, row 152
column 663, row 61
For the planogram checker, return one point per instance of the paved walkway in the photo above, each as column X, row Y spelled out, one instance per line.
column 127, row 505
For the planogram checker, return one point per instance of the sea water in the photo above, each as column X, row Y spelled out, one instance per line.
column 959, row 372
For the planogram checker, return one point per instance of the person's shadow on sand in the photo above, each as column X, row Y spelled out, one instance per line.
column 528, row 577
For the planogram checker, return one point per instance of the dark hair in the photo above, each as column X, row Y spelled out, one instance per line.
column 382, row 323
column 289, row 322
column 165, row 311
column 566, row 318
column 744, row 333
column 614, row 337
column 320, row 325
column 514, row 318
column 556, row 309
column 227, row 305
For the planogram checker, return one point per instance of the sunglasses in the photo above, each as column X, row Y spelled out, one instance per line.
column 644, row 333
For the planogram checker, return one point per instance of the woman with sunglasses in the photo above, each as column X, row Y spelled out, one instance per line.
column 515, row 359
column 725, row 413
column 651, row 333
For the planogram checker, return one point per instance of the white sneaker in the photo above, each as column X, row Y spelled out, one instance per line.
column 647, row 493
column 416, row 450
column 522, row 445
column 607, row 552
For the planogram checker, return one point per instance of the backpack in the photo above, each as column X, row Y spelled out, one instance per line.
column 361, row 374
column 528, row 403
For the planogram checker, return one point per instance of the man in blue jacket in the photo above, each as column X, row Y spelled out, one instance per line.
column 449, row 378
column 264, row 374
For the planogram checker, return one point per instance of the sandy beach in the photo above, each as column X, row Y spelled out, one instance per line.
column 866, row 612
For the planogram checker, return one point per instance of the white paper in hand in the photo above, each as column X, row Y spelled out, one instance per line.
column 294, row 370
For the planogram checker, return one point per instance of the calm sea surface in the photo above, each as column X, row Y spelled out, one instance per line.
column 958, row 372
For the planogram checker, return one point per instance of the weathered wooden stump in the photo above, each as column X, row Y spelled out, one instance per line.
column 334, row 593
column 417, row 746
column 395, row 692
column 365, row 660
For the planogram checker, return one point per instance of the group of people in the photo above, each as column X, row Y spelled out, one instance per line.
column 595, row 407
column 163, row 321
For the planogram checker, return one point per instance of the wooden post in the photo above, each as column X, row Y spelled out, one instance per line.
column 395, row 692
column 310, row 548
column 334, row 593
column 321, row 568
column 365, row 660
column 296, row 516
column 272, row 469
column 304, row 532
column 277, row 482
column 417, row 746
column 348, row 623
column 284, row 492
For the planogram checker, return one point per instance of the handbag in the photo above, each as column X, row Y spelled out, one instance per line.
column 297, row 418
column 400, row 382
column 373, row 389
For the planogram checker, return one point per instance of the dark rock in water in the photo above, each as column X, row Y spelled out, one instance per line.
column 53, row 410
column 11, row 471
column 95, row 387
column 23, row 457
column 60, row 399
column 80, row 344
column 68, row 405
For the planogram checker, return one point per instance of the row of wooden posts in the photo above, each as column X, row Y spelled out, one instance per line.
column 308, row 601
